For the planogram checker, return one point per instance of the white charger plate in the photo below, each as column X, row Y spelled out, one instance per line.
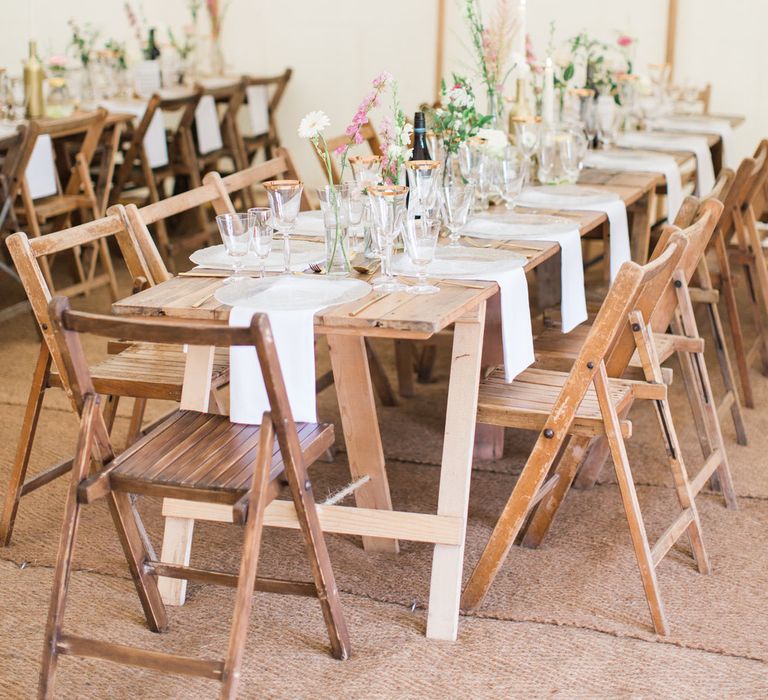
column 303, row 253
column 462, row 262
column 291, row 293
column 510, row 226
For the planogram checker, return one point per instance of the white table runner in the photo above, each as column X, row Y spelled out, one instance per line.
column 664, row 141
column 573, row 303
column 567, row 197
column 701, row 124
column 642, row 162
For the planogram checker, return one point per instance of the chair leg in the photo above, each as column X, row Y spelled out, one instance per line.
column 761, row 271
column 137, row 418
column 320, row 563
column 597, row 455
column 631, row 505
column 24, row 449
column 110, row 410
column 248, row 565
column 509, row 523
column 63, row 567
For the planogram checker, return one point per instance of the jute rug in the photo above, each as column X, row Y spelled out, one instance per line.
column 569, row 618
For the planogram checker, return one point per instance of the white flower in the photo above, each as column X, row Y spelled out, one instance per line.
column 460, row 97
column 313, row 125
column 394, row 151
column 563, row 58
column 495, row 140
column 405, row 135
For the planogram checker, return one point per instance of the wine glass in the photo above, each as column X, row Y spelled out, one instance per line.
column 284, row 201
column 423, row 177
column 527, row 135
column 260, row 223
column 366, row 170
column 420, row 240
column 388, row 209
column 457, row 199
column 18, row 98
column 236, row 236
column 472, row 163
column 512, row 176
column 608, row 120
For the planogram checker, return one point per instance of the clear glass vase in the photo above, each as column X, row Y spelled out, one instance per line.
column 334, row 203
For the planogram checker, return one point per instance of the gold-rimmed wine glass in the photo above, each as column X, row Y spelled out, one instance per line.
column 423, row 179
column 285, row 202
column 388, row 209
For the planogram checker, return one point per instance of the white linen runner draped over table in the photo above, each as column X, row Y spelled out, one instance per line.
column 702, row 125
column 664, row 141
column 610, row 203
column 573, row 303
column 643, row 162
column 41, row 169
column 154, row 140
column 294, row 334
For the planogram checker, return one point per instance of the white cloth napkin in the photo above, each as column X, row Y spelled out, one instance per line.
column 613, row 207
column 700, row 125
column 294, row 334
column 664, row 141
column 154, row 140
column 146, row 78
column 573, row 302
column 207, row 125
column 258, row 109
column 516, row 331
column 618, row 160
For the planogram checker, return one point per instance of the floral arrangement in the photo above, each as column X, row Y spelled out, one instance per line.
column 83, row 41
column 604, row 62
column 140, row 26
column 396, row 135
column 457, row 120
column 183, row 47
column 493, row 44
column 57, row 65
column 216, row 12
column 314, row 123
column 118, row 52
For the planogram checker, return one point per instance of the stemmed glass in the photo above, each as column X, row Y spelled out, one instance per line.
column 18, row 98
column 388, row 209
column 423, row 178
column 457, row 200
column 527, row 134
column 472, row 162
column 236, row 235
column 420, row 240
column 512, row 177
column 260, row 223
column 284, row 201
column 608, row 120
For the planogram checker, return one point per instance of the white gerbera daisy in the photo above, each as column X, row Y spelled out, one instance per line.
column 313, row 125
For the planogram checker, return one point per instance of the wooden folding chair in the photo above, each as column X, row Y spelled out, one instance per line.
column 569, row 409
column 193, row 456
column 269, row 140
column 75, row 195
column 141, row 372
column 745, row 252
column 136, row 170
column 229, row 98
column 674, row 311
column 369, row 136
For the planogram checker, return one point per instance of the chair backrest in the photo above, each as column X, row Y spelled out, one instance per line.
column 698, row 221
column 276, row 85
column 27, row 252
column 369, row 136
column 230, row 96
column 87, row 127
column 68, row 324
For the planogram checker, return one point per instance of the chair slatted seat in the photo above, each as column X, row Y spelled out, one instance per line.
column 194, row 456
column 621, row 328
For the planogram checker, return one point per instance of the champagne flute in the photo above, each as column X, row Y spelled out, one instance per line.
column 284, row 201
column 423, row 176
column 260, row 223
column 236, row 236
column 457, row 200
column 527, row 134
column 420, row 240
column 388, row 209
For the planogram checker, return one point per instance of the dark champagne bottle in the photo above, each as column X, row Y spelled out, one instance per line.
column 152, row 51
column 420, row 150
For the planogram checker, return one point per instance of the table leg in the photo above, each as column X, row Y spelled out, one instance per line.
column 177, row 536
column 361, row 428
column 642, row 220
column 489, row 439
column 456, row 472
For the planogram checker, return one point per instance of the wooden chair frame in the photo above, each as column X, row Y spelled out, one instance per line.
column 269, row 141
column 94, row 444
column 27, row 255
column 182, row 162
column 621, row 328
column 76, row 194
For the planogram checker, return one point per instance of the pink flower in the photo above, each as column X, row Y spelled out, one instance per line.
column 625, row 41
column 340, row 149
